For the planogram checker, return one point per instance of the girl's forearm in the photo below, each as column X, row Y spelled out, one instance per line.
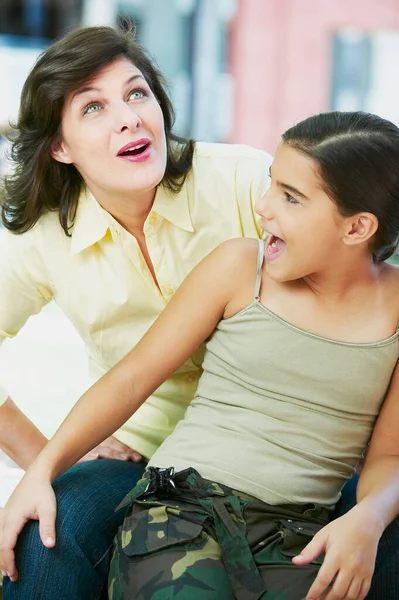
column 378, row 489
column 97, row 414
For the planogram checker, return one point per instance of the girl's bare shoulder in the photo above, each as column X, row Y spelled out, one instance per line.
column 239, row 253
column 390, row 279
column 240, row 257
column 390, row 273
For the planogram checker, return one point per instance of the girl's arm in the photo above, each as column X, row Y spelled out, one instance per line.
column 378, row 488
column 350, row 542
column 188, row 320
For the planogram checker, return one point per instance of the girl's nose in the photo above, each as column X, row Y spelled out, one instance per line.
column 264, row 208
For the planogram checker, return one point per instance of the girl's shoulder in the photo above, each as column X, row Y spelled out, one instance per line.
column 390, row 274
column 231, row 260
column 390, row 282
column 239, row 259
column 235, row 259
column 242, row 249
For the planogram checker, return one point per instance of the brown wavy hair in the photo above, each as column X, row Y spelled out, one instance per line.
column 37, row 182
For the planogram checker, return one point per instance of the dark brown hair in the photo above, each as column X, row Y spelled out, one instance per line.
column 37, row 182
column 357, row 156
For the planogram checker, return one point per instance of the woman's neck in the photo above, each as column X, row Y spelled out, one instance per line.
column 131, row 211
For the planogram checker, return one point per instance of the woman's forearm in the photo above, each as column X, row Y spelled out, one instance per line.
column 378, row 489
column 19, row 438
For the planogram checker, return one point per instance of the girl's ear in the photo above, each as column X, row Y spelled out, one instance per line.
column 59, row 152
column 360, row 228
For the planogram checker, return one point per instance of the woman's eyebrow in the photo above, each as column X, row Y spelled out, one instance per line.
column 90, row 88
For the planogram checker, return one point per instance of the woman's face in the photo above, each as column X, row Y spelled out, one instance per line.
column 113, row 132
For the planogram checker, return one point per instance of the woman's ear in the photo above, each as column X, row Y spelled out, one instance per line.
column 59, row 152
column 360, row 228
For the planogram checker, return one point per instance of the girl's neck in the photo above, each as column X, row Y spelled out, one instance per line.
column 343, row 280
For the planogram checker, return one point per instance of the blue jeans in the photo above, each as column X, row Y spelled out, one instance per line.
column 77, row 568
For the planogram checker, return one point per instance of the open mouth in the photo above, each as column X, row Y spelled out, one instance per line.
column 274, row 248
column 137, row 150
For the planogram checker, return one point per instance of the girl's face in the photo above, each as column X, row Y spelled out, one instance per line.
column 305, row 226
column 113, row 132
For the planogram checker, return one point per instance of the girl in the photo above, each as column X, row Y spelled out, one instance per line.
column 302, row 344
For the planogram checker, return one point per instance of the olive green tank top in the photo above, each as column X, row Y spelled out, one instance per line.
column 280, row 413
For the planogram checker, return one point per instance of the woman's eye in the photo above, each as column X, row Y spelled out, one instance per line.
column 90, row 108
column 290, row 198
column 137, row 94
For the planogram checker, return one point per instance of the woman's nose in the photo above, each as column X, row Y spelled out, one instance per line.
column 126, row 118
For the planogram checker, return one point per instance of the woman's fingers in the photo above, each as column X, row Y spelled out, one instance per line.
column 113, row 448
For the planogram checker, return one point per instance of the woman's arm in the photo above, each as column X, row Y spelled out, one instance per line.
column 188, row 320
column 24, row 292
column 19, row 438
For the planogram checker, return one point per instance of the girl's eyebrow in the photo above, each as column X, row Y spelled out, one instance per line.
column 290, row 188
column 86, row 89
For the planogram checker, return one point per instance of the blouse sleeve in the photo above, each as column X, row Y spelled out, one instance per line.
column 24, row 290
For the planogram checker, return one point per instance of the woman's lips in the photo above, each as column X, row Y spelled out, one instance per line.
column 132, row 155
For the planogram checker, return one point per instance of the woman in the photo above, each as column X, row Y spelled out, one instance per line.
column 301, row 353
column 110, row 211
column 109, row 231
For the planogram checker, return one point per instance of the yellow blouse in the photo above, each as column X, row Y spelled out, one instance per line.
column 101, row 281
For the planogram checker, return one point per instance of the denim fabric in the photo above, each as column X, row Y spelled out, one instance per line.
column 77, row 568
column 87, row 523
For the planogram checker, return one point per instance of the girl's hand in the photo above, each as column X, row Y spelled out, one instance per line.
column 350, row 545
column 33, row 498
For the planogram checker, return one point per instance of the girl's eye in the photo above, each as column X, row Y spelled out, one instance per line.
column 91, row 108
column 290, row 198
column 137, row 94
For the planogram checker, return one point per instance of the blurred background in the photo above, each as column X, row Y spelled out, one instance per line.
column 239, row 71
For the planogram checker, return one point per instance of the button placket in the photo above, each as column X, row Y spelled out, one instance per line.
column 153, row 234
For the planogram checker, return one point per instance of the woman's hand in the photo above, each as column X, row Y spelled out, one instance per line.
column 33, row 498
column 350, row 545
column 112, row 448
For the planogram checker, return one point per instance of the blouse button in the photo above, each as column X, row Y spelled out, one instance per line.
column 153, row 220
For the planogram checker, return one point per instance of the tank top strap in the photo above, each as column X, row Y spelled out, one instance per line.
column 261, row 255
